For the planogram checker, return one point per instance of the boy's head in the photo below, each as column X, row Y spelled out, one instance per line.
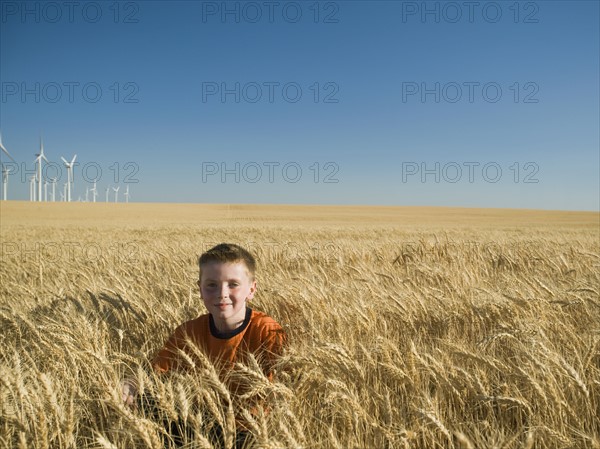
column 229, row 253
column 226, row 283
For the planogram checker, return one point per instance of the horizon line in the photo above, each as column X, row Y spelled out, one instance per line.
column 391, row 206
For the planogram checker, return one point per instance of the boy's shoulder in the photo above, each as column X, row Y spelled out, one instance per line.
column 262, row 320
column 262, row 328
column 264, row 332
column 192, row 326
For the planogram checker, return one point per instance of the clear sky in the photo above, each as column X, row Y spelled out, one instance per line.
column 477, row 104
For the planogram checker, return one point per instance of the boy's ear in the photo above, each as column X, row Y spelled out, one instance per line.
column 252, row 290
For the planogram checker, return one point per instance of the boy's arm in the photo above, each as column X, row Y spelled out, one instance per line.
column 167, row 358
column 129, row 390
column 163, row 361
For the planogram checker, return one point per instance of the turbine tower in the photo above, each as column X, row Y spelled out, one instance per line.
column 94, row 192
column 126, row 194
column 53, row 182
column 38, row 160
column 5, row 171
column 32, row 188
column 116, row 193
column 107, row 189
column 69, row 166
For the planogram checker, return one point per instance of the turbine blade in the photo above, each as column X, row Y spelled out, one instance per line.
column 5, row 150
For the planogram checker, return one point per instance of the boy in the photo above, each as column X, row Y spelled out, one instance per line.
column 231, row 329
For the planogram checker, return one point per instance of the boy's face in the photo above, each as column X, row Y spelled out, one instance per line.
column 225, row 288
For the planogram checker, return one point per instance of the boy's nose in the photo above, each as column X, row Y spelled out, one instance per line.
column 224, row 293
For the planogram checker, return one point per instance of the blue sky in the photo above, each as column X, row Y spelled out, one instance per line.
column 495, row 104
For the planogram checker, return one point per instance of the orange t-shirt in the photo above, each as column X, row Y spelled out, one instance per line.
column 260, row 335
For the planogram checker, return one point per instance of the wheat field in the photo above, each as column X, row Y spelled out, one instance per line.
column 408, row 327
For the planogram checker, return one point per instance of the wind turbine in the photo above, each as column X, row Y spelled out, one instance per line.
column 64, row 194
column 4, row 149
column 32, row 188
column 87, row 193
column 5, row 171
column 69, row 166
column 94, row 192
column 53, row 182
column 107, row 189
column 126, row 194
column 45, row 190
column 116, row 193
column 38, row 160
